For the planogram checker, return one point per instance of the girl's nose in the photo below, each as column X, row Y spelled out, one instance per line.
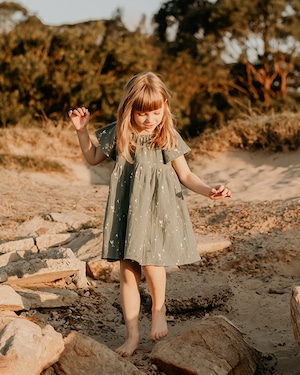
column 150, row 118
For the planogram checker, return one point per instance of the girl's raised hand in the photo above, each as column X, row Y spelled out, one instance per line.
column 219, row 192
column 80, row 117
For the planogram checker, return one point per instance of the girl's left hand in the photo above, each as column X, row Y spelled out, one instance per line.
column 219, row 192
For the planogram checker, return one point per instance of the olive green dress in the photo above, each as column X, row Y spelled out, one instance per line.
column 146, row 218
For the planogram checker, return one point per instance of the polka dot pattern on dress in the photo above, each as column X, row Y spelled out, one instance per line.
column 146, row 217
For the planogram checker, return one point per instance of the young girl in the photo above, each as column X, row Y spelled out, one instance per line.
column 147, row 224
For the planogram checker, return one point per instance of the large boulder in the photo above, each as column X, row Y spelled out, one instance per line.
column 7, row 316
column 86, row 356
column 28, row 349
column 11, row 300
column 212, row 347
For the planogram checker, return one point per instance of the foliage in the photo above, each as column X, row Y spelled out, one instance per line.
column 263, row 35
column 45, row 70
column 272, row 133
column 10, row 14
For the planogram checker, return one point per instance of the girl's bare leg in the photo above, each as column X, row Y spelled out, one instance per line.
column 130, row 276
column 156, row 280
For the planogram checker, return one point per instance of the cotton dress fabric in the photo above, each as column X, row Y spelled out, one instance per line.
column 146, row 218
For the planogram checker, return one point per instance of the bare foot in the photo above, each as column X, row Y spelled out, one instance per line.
column 159, row 325
column 129, row 346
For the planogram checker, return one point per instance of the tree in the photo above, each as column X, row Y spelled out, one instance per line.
column 11, row 14
column 207, row 29
column 187, row 21
column 264, row 72
column 45, row 70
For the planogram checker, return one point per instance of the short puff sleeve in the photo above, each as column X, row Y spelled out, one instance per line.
column 107, row 140
column 181, row 149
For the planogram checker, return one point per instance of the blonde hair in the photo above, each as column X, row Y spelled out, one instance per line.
column 144, row 92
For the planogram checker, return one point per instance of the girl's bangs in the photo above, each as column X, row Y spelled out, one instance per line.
column 148, row 101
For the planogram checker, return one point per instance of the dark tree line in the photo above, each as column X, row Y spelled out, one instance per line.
column 264, row 33
column 45, row 70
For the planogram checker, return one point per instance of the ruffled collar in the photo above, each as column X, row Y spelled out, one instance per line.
column 141, row 139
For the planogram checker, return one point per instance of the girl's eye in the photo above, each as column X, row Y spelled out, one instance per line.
column 156, row 113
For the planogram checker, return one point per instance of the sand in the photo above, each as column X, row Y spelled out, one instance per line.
column 261, row 220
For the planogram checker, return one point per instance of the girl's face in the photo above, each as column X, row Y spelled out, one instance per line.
column 146, row 122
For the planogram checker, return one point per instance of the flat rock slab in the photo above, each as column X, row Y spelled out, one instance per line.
column 48, row 297
column 25, row 244
column 74, row 219
column 47, row 266
column 53, row 223
column 12, row 301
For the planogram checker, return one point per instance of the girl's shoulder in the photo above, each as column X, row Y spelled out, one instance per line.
column 107, row 130
column 106, row 137
column 181, row 149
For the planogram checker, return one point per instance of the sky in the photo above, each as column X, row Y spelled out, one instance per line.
column 57, row 12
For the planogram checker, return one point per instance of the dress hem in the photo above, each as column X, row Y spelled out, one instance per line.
column 111, row 260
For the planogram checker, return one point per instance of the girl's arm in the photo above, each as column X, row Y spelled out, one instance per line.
column 194, row 183
column 80, row 118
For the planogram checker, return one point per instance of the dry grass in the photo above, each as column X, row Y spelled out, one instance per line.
column 274, row 133
column 38, row 149
column 43, row 149
column 30, row 163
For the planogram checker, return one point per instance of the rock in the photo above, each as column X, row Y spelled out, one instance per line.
column 74, row 219
column 100, row 269
column 295, row 312
column 28, row 349
column 49, row 297
column 49, row 371
column 88, row 244
column 27, row 248
column 86, row 356
column 53, row 240
column 53, row 223
column 6, row 317
column 23, row 245
column 11, row 300
column 47, row 266
column 39, row 226
column 212, row 347
column 3, row 276
column 10, row 257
